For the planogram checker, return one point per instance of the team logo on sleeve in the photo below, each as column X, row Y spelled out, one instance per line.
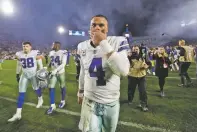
column 123, row 46
column 38, row 52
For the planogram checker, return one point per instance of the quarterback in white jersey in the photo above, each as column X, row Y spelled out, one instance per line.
column 57, row 62
column 27, row 60
column 103, row 61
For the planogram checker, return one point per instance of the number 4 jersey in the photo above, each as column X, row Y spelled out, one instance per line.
column 99, row 75
column 28, row 62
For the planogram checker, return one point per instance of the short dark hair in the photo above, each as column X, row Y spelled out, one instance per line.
column 26, row 42
column 100, row 15
column 136, row 46
column 57, row 42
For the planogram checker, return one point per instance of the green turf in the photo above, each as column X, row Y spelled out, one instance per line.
column 34, row 120
column 177, row 111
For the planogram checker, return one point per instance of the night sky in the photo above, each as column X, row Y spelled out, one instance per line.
column 37, row 20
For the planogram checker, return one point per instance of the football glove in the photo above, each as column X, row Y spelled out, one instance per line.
column 17, row 78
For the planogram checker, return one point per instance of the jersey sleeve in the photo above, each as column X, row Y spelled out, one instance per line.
column 64, row 57
column 17, row 55
column 81, row 75
column 65, row 52
column 118, row 61
column 38, row 53
column 123, row 45
column 18, row 65
column 50, row 53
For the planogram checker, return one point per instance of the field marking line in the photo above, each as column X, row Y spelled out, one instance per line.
column 129, row 124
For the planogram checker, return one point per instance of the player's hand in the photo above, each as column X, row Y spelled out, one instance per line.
column 54, row 72
column 97, row 37
column 17, row 77
column 146, row 66
column 80, row 100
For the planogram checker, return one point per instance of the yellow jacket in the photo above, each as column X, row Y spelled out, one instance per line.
column 189, row 54
column 137, row 68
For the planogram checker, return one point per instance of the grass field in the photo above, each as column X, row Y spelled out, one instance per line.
column 175, row 112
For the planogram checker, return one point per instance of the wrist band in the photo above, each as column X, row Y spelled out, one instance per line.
column 80, row 94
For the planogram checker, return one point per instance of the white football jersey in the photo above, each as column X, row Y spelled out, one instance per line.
column 28, row 62
column 57, row 58
column 97, row 79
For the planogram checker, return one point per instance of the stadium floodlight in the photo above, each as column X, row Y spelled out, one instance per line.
column 191, row 22
column 7, row 7
column 61, row 29
column 183, row 24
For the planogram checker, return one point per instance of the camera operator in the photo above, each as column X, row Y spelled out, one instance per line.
column 137, row 73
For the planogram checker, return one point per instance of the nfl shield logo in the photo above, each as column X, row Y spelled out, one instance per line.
column 83, row 52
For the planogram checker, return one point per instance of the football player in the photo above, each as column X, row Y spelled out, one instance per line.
column 103, row 62
column 1, row 61
column 68, row 57
column 27, row 60
column 57, row 61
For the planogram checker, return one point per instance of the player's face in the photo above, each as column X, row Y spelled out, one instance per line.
column 27, row 48
column 55, row 46
column 99, row 24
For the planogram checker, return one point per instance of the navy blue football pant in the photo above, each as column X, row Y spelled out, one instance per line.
column 133, row 82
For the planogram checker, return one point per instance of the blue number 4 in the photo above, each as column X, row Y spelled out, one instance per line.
column 96, row 70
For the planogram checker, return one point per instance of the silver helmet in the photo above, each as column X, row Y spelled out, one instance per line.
column 42, row 74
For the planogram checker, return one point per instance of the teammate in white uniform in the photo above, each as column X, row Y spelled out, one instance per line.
column 103, row 61
column 1, row 61
column 57, row 61
column 27, row 60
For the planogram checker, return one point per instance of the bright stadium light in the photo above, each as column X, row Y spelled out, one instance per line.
column 183, row 24
column 7, row 7
column 191, row 22
column 61, row 29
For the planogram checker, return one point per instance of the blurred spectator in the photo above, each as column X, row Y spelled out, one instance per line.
column 161, row 69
